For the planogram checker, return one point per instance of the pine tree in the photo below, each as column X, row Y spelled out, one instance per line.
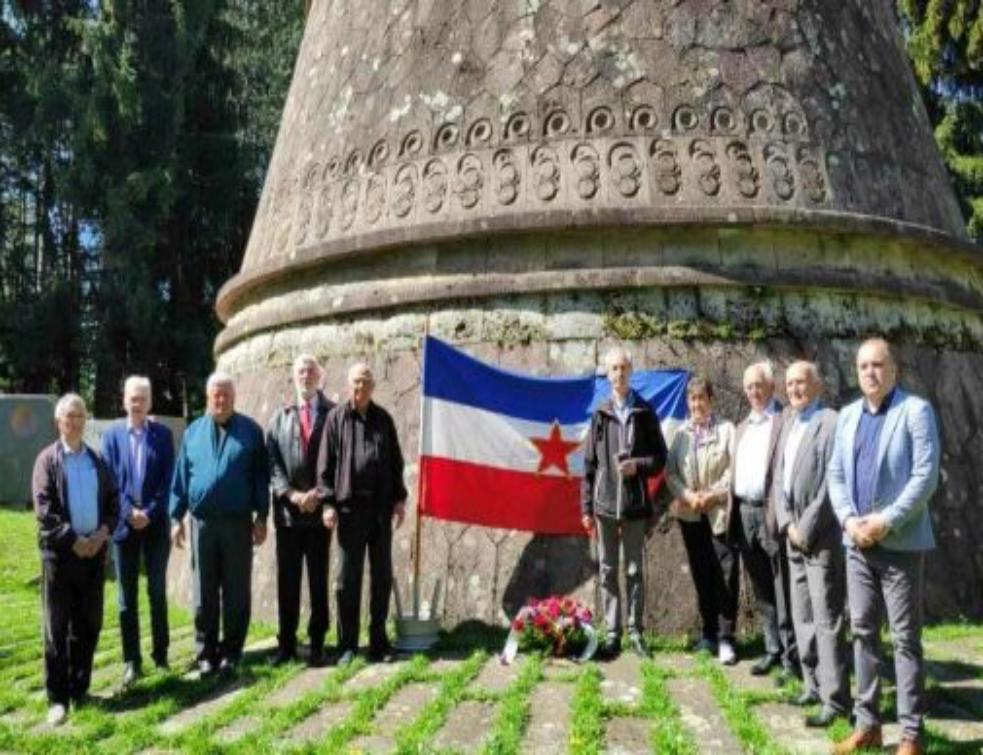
column 945, row 42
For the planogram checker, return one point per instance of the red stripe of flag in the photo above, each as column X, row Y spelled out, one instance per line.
column 463, row 492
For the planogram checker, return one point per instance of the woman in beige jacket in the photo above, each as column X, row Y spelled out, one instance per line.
column 699, row 479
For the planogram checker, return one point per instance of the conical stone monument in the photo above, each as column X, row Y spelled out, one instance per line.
column 710, row 182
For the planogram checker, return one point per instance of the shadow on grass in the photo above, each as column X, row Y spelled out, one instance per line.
column 468, row 636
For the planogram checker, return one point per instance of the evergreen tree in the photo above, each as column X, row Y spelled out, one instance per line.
column 945, row 42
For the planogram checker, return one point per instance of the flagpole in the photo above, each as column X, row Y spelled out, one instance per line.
column 418, row 534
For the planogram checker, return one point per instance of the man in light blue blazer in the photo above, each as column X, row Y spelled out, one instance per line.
column 884, row 470
column 140, row 455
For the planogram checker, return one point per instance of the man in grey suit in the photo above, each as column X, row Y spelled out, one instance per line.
column 883, row 473
column 815, row 554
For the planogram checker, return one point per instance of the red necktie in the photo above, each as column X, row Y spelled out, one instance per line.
column 305, row 425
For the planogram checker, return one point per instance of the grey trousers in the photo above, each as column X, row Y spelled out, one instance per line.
column 760, row 555
column 610, row 544
column 897, row 577
column 222, row 560
column 818, row 595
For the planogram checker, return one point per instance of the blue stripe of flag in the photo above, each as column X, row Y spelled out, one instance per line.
column 452, row 375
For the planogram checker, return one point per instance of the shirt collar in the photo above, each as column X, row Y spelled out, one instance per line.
column 885, row 404
column 628, row 403
column 68, row 449
column 134, row 429
column 806, row 414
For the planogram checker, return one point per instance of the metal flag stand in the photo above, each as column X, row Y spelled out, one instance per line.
column 414, row 632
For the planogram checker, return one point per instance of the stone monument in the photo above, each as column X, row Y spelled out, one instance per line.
column 709, row 182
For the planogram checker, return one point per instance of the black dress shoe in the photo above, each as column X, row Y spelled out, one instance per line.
column 317, row 657
column 229, row 665
column 823, row 718
column 609, row 650
column 806, row 698
column 346, row 659
column 206, row 668
column 765, row 664
column 284, row 655
column 381, row 653
column 162, row 664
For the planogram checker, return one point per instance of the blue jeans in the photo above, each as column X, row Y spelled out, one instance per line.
column 155, row 544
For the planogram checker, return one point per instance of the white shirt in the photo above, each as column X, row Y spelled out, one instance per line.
column 751, row 467
column 138, row 455
column 799, row 424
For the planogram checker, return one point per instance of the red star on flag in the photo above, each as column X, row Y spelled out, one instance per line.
column 554, row 450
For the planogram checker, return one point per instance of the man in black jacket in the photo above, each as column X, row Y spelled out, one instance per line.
column 625, row 448
column 360, row 476
column 77, row 508
column 292, row 443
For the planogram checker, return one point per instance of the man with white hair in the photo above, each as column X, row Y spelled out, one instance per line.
column 752, row 521
column 77, row 508
column 139, row 452
column 360, row 479
column 624, row 449
column 292, row 443
column 222, row 478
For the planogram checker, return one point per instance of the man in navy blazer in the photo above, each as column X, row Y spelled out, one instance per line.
column 140, row 455
column 883, row 473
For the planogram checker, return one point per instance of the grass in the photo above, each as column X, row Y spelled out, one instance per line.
column 129, row 722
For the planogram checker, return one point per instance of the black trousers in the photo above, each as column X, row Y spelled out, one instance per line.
column 715, row 565
column 154, row 543
column 71, row 594
column 296, row 546
column 363, row 529
column 222, row 559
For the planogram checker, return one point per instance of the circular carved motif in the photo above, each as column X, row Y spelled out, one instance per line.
column 434, row 186
column 780, row 171
column 469, row 181
column 404, row 190
column 508, row 178
column 667, row 171
column 546, row 167
column 744, row 170
column 557, row 124
column 643, row 118
column 379, row 154
column 480, row 133
column 761, row 122
column 685, row 118
column 626, row 169
column 412, row 144
column 587, row 170
column 708, row 171
column 447, row 136
column 518, row 127
column 723, row 120
column 813, row 181
column 600, row 120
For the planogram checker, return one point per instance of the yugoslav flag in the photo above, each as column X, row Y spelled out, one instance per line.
column 504, row 450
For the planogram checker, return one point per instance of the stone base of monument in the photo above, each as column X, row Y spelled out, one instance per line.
column 419, row 631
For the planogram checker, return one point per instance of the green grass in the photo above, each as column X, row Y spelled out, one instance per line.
column 513, row 713
column 669, row 736
column 587, row 713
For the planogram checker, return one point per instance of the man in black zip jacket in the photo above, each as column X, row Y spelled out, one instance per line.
column 292, row 444
column 625, row 448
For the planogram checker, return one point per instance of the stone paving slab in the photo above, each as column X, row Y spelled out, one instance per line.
column 372, row 675
column 700, row 714
column 786, row 724
column 306, row 681
column 210, row 705
column 496, row 676
column 467, row 727
column 549, row 720
column 680, row 663
column 741, row 677
column 628, row 736
column 622, row 680
column 326, row 718
column 554, row 668
column 446, row 665
column 402, row 709
column 238, row 729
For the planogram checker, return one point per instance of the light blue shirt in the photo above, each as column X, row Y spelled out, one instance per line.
column 83, row 490
column 138, row 459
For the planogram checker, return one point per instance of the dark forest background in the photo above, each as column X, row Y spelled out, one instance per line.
column 134, row 137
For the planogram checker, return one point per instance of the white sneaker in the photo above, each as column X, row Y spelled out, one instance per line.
column 57, row 714
column 727, row 655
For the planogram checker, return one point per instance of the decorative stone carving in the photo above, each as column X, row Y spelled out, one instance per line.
column 404, row 190
column 626, row 169
column 746, row 175
column 587, row 170
column 707, row 170
column 667, row 170
column 546, row 168
column 375, row 198
column 780, row 171
column 349, row 203
column 508, row 176
column 434, row 186
column 469, row 181
column 813, row 183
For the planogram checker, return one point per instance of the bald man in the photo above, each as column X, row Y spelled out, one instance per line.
column 812, row 535
column 883, row 473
